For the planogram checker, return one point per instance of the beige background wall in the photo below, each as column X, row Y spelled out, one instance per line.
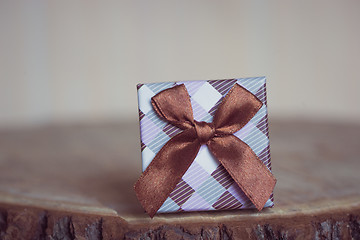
column 81, row 60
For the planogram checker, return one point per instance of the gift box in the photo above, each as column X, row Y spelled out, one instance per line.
column 206, row 184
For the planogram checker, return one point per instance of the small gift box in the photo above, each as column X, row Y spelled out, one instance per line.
column 204, row 146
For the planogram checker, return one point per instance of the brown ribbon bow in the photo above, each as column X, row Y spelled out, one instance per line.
column 175, row 157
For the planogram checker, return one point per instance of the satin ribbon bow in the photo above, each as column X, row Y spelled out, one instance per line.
column 175, row 157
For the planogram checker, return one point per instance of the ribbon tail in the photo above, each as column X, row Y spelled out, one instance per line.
column 166, row 170
column 247, row 170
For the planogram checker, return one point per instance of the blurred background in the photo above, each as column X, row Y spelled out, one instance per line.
column 75, row 61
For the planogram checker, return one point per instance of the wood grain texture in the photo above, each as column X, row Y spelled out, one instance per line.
column 75, row 182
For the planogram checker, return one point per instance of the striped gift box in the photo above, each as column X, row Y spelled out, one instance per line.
column 206, row 185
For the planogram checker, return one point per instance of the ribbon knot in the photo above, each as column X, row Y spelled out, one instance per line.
column 205, row 131
column 172, row 161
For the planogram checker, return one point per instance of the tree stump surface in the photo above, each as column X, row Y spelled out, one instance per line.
column 76, row 182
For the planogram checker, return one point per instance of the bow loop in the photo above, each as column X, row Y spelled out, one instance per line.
column 174, row 106
column 236, row 110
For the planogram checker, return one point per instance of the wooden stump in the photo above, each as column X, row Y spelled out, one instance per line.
column 75, row 182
